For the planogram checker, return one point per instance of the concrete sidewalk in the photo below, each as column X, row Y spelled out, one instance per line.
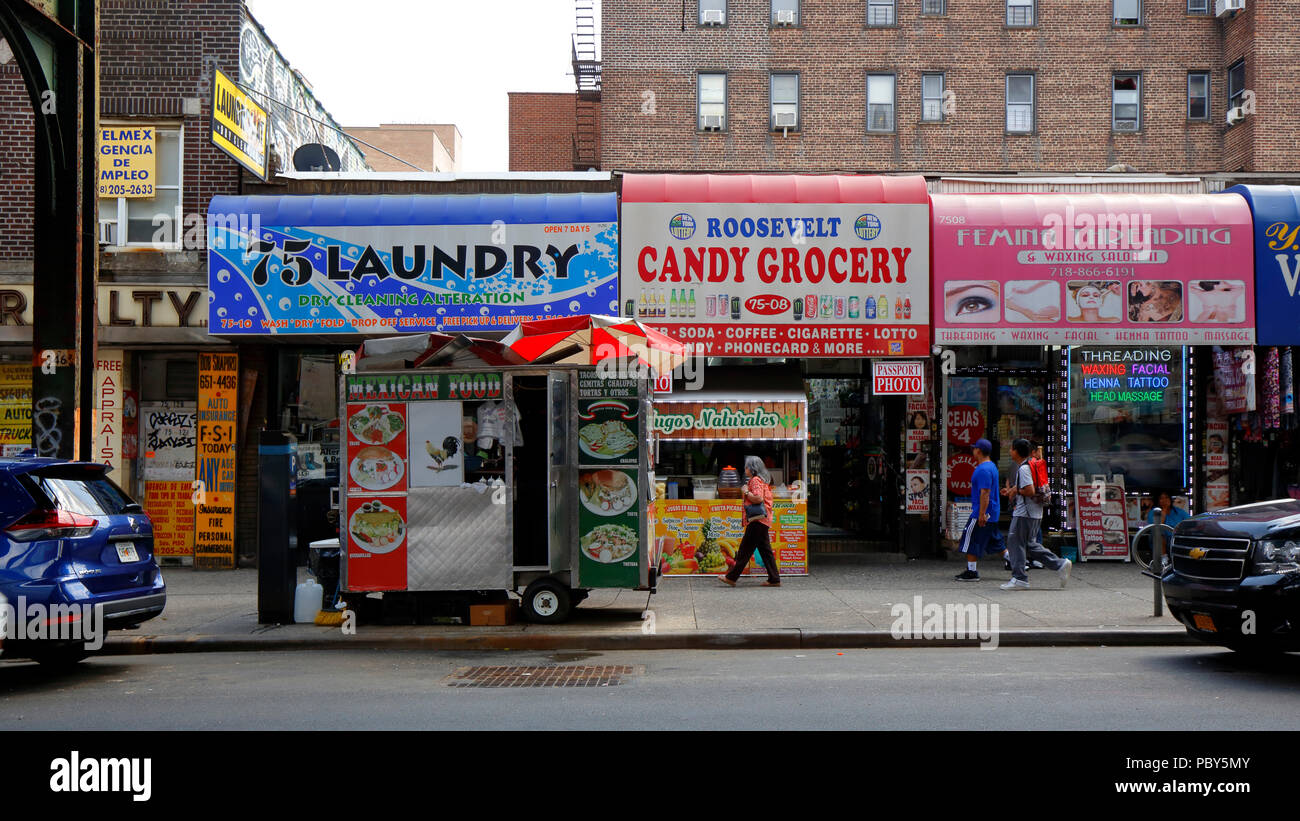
column 845, row 602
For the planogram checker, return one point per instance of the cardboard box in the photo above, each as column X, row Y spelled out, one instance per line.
column 493, row 615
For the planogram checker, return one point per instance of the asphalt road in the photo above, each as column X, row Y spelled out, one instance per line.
column 1003, row 689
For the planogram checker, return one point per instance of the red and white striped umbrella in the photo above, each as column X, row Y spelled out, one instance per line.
column 589, row 339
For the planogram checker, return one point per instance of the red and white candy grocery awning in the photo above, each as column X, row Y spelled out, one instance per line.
column 589, row 339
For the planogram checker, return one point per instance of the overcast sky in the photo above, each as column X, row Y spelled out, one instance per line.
column 426, row 61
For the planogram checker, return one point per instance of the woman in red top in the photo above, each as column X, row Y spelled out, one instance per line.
column 758, row 490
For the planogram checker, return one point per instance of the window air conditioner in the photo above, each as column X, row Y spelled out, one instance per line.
column 1236, row 114
column 1126, row 125
column 785, row 119
column 1222, row 7
column 108, row 232
column 712, row 122
column 714, row 17
column 785, row 17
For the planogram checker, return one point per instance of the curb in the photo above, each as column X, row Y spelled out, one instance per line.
column 785, row 639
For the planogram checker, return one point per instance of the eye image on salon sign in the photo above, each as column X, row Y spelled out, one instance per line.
column 1082, row 269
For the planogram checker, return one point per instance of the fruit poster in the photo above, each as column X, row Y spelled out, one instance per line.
column 697, row 537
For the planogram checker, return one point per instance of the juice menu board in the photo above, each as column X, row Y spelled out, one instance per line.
column 609, row 515
column 1103, row 518
column 698, row 537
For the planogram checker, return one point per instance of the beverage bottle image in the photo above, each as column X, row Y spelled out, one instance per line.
column 735, row 307
column 871, row 308
column 828, row 306
column 810, row 306
column 798, row 308
column 640, row 305
column 663, row 305
column 675, row 306
column 907, row 308
column 691, row 304
column 839, row 307
column 854, row 307
column 882, row 306
column 710, row 305
column 629, row 308
column 724, row 306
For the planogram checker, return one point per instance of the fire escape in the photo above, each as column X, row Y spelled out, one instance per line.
column 586, row 76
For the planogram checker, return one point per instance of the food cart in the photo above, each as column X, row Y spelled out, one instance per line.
column 699, row 433
column 471, row 468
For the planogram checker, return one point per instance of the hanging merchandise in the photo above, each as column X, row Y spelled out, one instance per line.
column 1270, row 405
column 1231, row 381
column 1288, row 382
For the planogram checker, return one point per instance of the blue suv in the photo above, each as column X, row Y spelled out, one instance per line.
column 71, row 538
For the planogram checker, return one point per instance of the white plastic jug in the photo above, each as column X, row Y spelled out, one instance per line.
column 306, row 601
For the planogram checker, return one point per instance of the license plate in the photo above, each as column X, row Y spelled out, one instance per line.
column 1204, row 622
column 126, row 552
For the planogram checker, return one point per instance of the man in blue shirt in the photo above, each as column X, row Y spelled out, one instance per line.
column 981, row 536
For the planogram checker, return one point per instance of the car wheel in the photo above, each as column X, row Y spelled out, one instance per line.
column 1254, row 649
column 546, row 601
column 62, row 656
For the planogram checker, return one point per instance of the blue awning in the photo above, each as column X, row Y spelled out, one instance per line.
column 386, row 209
column 1276, row 213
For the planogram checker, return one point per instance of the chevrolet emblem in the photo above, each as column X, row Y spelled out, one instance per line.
column 1197, row 552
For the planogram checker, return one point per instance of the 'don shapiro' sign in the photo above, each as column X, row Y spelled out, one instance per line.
column 897, row 378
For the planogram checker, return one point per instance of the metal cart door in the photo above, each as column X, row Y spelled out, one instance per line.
column 561, row 490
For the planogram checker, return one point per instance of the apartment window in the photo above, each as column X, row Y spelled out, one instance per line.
column 785, row 100
column 934, row 7
column 932, row 98
column 1128, row 12
column 880, row 102
column 1020, row 103
column 149, row 221
column 1020, row 12
column 785, row 12
column 713, row 12
column 1126, row 102
column 1198, row 6
column 712, row 95
column 1198, row 95
column 880, row 12
column 1236, row 83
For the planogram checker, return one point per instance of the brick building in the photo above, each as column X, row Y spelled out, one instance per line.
column 937, row 86
column 429, row 147
column 156, row 59
column 544, row 130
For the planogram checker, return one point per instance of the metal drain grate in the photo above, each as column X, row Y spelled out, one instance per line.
column 605, row 675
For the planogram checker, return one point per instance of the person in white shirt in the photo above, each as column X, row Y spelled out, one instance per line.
column 1026, row 518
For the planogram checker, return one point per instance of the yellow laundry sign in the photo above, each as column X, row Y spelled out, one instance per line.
column 239, row 125
column 126, row 161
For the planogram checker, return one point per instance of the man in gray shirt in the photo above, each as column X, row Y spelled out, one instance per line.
column 1026, row 518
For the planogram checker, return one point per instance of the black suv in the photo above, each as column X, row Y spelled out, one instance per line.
column 1233, row 576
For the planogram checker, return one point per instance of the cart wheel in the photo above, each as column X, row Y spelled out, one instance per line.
column 546, row 601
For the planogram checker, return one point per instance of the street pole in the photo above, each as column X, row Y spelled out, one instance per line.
column 64, row 97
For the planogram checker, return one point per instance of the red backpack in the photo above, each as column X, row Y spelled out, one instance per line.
column 1038, row 473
